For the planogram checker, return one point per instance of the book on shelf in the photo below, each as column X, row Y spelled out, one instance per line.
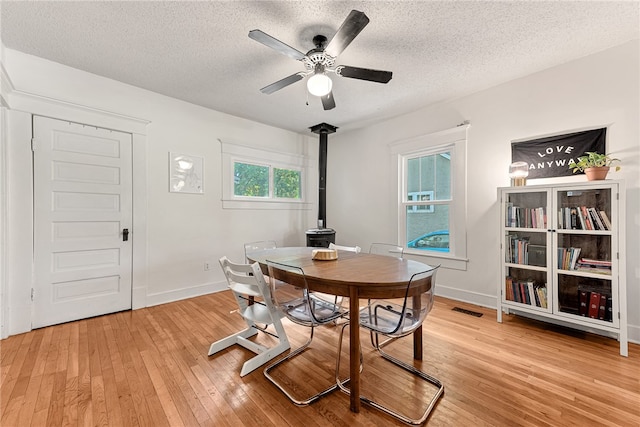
column 542, row 296
column 587, row 218
column 520, row 217
column 594, row 305
column 602, row 308
column 605, row 220
column 525, row 292
column 508, row 289
column 596, row 219
column 583, row 225
column 532, row 295
column 568, row 258
column 537, row 255
column 594, row 266
column 583, row 218
column 583, row 297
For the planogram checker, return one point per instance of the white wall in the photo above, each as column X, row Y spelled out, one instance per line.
column 179, row 232
column 183, row 231
column 598, row 90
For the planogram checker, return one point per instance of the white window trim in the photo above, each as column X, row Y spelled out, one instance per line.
column 456, row 140
column 233, row 152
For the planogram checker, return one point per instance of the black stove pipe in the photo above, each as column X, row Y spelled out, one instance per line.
column 323, row 130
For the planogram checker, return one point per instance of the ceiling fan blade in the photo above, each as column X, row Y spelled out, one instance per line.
column 328, row 102
column 276, row 44
column 282, row 83
column 364, row 74
column 348, row 31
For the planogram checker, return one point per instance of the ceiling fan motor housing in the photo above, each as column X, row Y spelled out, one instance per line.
column 317, row 56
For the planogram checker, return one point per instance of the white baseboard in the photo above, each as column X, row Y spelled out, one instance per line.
column 490, row 301
column 184, row 293
column 462, row 295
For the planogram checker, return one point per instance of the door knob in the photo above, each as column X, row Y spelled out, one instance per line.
column 125, row 234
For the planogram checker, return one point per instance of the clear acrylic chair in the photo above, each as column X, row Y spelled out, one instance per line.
column 386, row 249
column 356, row 249
column 394, row 319
column 260, row 245
column 291, row 294
column 247, row 280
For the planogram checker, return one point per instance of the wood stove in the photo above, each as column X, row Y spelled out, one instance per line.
column 322, row 236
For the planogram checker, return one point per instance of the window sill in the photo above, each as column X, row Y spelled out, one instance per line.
column 445, row 261
column 265, row 204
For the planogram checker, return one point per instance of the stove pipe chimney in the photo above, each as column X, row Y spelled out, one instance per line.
column 323, row 235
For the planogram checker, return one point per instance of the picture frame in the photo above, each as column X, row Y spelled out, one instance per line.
column 186, row 173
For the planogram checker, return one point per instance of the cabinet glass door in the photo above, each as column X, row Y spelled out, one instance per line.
column 584, row 254
column 526, row 249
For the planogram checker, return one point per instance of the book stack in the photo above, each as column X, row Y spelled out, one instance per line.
column 595, row 304
column 583, row 218
column 568, row 258
column 517, row 249
column 594, row 266
column 526, row 292
column 525, row 217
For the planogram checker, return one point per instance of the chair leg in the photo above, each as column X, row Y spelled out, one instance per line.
column 291, row 355
column 419, row 373
column 395, row 414
column 341, row 383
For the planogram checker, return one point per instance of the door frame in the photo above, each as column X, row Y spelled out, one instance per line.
column 17, row 306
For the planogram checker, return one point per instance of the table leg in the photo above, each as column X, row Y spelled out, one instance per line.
column 417, row 334
column 417, row 343
column 354, row 349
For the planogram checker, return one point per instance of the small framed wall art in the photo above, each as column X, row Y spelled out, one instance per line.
column 186, row 173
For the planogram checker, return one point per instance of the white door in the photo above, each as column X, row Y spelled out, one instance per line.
column 82, row 190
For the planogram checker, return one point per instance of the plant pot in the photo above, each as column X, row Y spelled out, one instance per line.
column 595, row 174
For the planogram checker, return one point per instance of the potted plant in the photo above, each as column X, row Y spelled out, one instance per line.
column 594, row 165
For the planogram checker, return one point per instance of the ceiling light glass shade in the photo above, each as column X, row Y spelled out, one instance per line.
column 319, row 84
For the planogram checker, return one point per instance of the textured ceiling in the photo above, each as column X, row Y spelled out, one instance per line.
column 199, row 51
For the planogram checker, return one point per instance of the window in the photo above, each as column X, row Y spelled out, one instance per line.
column 261, row 179
column 428, row 200
column 251, row 180
column 432, row 199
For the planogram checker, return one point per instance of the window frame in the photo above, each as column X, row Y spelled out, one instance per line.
column 453, row 140
column 236, row 153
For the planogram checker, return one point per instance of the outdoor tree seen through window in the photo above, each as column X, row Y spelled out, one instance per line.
column 256, row 181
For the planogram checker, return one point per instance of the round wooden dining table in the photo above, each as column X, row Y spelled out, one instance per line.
column 353, row 275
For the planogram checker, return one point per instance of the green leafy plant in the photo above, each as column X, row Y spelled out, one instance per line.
column 592, row 160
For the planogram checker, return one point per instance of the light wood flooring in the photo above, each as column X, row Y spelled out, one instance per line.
column 150, row 367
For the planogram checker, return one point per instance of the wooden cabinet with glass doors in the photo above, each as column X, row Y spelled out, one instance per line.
column 562, row 255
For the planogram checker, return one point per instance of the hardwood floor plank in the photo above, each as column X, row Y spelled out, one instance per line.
column 33, row 378
column 70, row 406
column 125, row 402
column 85, row 404
column 139, row 382
column 11, row 371
column 149, row 367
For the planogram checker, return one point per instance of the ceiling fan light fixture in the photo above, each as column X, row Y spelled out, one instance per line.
column 319, row 84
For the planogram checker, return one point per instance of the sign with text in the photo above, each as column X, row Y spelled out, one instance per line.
column 550, row 156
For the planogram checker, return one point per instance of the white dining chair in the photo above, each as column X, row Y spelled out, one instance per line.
column 247, row 280
column 356, row 249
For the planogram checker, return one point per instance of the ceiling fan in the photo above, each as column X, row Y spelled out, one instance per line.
column 321, row 60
